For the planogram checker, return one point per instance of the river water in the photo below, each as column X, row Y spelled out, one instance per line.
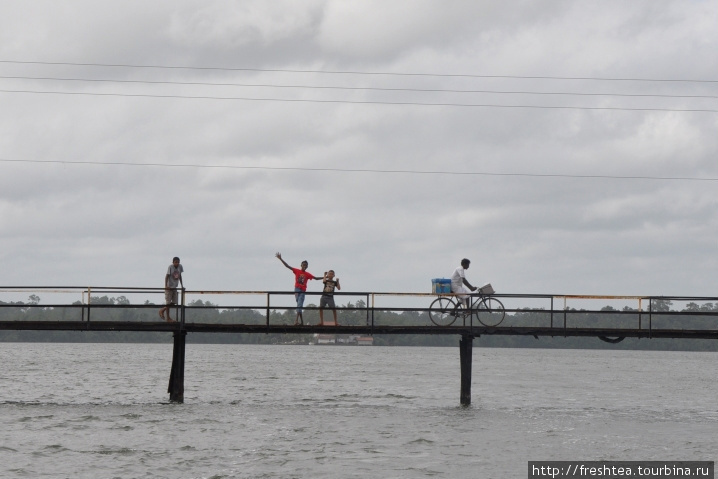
column 102, row 411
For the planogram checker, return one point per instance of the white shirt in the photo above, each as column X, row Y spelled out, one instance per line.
column 174, row 275
column 457, row 279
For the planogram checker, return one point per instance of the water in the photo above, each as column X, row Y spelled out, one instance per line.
column 101, row 411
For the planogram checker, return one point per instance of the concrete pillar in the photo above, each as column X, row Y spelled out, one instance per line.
column 176, row 385
column 466, row 344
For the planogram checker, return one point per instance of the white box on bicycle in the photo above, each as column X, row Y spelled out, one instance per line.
column 440, row 286
column 486, row 289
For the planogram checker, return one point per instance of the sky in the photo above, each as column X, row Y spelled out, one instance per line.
column 563, row 147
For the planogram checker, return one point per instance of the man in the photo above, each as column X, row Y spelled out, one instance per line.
column 460, row 285
column 301, row 276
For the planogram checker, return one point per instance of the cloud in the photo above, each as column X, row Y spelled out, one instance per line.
column 534, row 194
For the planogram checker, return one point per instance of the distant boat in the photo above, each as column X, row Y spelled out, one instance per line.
column 325, row 339
column 343, row 339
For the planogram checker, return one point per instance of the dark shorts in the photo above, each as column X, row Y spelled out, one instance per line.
column 327, row 302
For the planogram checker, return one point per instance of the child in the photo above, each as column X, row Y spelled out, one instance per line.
column 172, row 279
column 301, row 276
column 327, row 299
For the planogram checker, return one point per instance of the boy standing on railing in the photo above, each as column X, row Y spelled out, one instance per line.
column 327, row 299
column 301, row 276
column 172, row 279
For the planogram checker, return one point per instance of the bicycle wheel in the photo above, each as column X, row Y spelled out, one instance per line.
column 490, row 311
column 441, row 312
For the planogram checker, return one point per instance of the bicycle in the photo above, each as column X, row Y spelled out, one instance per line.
column 489, row 311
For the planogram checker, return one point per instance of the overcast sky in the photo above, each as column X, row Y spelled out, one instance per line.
column 383, row 139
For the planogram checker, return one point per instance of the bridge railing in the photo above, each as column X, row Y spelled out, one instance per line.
column 372, row 309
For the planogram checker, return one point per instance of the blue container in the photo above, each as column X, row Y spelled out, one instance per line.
column 440, row 286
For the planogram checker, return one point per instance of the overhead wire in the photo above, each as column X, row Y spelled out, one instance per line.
column 377, row 102
column 351, row 72
column 364, row 102
column 355, row 88
column 365, row 170
column 324, row 87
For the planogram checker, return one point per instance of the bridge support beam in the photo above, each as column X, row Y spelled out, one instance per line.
column 176, row 385
column 466, row 344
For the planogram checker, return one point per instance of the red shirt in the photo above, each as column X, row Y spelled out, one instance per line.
column 301, row 278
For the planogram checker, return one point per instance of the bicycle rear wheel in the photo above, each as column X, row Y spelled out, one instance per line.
column 490, row 312
column 442, row 312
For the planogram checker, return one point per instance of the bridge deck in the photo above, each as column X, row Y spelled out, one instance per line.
column 355, row 330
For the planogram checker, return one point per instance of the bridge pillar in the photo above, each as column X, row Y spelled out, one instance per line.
column 176, row 386
column 466, row 344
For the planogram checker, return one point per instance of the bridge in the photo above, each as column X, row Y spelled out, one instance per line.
column 76, row 308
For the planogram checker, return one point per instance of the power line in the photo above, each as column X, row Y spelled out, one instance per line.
column 319, row 87
column 366, row 170
column 367, row 102
column 349, row 72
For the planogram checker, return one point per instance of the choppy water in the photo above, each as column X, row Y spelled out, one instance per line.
column 101, row 411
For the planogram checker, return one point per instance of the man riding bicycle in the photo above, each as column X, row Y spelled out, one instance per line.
column 460, row 285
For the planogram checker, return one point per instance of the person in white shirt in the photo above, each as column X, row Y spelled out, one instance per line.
column 460, row 285
column 173, row 278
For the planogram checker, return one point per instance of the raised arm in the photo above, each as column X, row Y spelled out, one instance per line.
column 279, row 256
column 336, row 280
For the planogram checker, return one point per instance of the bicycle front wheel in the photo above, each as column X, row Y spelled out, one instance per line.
column 490, row 312
column 441, row 312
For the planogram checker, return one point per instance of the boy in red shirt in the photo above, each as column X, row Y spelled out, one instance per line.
column 301, row 276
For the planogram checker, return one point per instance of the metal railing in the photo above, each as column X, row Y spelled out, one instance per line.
column 541, row 307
